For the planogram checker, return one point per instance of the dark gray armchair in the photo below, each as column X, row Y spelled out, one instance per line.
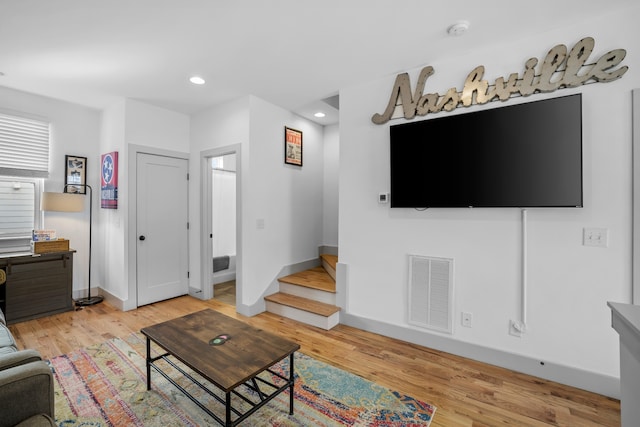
column 26, row 385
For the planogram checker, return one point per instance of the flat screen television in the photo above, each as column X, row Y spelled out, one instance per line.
column 524, row 155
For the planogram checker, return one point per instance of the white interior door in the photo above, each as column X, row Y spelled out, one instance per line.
column 162, row 228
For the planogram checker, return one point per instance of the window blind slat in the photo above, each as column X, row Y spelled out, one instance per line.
column 24, row 147
column 17, row 210
column 24, row 173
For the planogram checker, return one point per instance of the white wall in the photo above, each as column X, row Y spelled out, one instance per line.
column 125, row 124
column 285, row 198
column 112, row 250
column 75, row 130
column 156, row 127
column 331, row 185
column 569, row 284
column 216, row 128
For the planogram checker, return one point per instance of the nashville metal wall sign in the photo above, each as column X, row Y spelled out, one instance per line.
column 559, row 70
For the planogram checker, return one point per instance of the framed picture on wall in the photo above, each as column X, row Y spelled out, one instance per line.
column 75, row 174
column 292, row 146
column 109, row 180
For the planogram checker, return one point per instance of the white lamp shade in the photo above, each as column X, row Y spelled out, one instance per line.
column 62, row 202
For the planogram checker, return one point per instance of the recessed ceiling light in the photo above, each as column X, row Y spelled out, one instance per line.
column 196, row 80
column 458, row 29
column 319, row 114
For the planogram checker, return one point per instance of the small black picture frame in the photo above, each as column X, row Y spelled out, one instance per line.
column 292, row 146
column 75, row 174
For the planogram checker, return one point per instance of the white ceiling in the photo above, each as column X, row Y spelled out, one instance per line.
column 292, row 53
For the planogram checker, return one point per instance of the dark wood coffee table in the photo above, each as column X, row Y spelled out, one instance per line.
column 232, row 365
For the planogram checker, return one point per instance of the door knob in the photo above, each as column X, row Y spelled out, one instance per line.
column 141, row 238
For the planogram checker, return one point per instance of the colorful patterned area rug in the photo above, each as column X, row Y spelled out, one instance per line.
column 105, row 385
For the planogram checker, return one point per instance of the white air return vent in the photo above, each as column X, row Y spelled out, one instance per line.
column 431, row 293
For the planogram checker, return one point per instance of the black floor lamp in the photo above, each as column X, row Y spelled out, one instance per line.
column 73, row 202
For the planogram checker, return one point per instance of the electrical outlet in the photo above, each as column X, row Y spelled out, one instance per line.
column 467, row 319
column 598, row 237
column 516, row 328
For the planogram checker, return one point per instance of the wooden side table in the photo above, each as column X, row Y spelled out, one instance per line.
column 36, row 285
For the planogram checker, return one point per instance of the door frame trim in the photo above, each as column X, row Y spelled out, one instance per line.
column 131, row 257
column 206, row 251
column 635, row 199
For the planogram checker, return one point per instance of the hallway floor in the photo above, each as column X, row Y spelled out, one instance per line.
column 225, row 292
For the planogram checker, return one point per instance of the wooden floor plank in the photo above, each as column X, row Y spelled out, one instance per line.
column 466, row 392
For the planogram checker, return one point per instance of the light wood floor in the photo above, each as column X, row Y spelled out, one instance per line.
column 466, row 393
column 225, row 292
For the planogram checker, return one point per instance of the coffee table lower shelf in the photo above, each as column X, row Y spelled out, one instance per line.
column 272, row 389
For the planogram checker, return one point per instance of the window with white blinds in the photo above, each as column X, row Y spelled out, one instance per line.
column 24, row 146
column 18, row 213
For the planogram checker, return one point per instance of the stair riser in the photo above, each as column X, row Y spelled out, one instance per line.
column 330, row 270
column 303, row 316
column 314, row 294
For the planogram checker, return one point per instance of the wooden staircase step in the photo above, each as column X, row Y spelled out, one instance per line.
column 315, row 278
column 303, row 304
column 329, row 264
column 332, row 260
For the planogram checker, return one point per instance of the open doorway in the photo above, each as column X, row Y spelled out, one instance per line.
column 223, row 227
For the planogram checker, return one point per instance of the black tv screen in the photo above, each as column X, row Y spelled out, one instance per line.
column 525, row 155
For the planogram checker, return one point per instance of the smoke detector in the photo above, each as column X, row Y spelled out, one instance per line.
column 458, row 29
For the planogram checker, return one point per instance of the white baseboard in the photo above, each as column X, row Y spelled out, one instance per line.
column 574, row 377
column 110, row 298
column 224, row 276
column 196, row 293
column 327, row 250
